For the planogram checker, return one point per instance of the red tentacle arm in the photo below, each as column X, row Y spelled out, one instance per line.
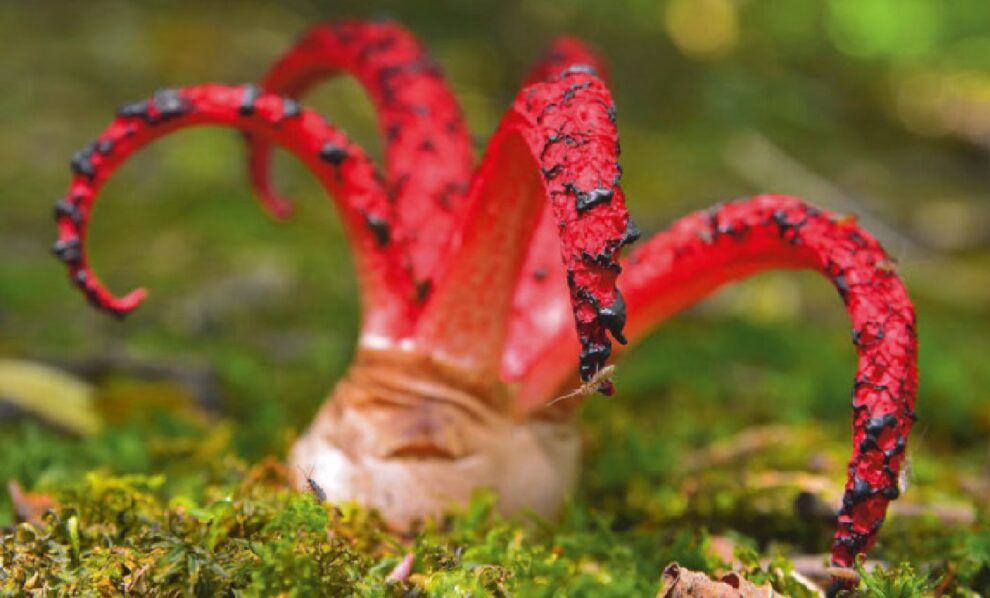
column 429, row 156
column 708, row 249
column 556, row 145
column 539, row 306
column 563, row 53
column 342, row 167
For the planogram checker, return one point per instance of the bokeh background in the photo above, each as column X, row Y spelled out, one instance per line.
column 880, row 108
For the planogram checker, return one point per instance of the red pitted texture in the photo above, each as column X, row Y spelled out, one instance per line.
column 708, row 249
column 540, row 303
column 428, row 152
column 342, row 168
column 557, row 144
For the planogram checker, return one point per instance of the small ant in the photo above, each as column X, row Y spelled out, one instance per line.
column 600, row 379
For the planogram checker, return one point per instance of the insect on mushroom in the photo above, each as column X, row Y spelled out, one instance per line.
column 482, row 287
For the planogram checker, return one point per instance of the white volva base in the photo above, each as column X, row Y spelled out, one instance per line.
column 413, row 446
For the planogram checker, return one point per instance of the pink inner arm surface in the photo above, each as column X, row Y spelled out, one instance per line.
column 557, row 146
column 428, row 152
column 342, row 167
column 708, row 249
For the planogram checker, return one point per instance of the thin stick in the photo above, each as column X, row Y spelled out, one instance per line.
column 590, row 387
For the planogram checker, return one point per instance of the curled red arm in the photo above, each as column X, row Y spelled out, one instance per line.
column 563, row 53
column 342, row 168
column 428, row 151
column 557, row 145
column 540, row 301
column 708, row 249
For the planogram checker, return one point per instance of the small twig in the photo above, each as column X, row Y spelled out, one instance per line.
column 135, row 578
column 845, row 574
column 757, row 159
column 602, row 376
column 744, row 444
column 815, row 567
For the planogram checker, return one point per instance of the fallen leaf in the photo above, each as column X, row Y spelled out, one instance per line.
column 28, row 506
column 49, row 393
column 400, row 573
column 679, row 582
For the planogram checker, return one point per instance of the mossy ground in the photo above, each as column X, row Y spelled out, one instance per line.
column 164, row 502
column 725, row 418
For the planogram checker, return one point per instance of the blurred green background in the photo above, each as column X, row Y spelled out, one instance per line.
column 875, row 107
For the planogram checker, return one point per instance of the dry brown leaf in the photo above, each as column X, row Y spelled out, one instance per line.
column 679, row 582
column 28, row 506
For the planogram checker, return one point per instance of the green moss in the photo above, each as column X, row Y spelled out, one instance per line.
column 231, row 528
column 167, row 497
column 121, row 532
column 898, row 582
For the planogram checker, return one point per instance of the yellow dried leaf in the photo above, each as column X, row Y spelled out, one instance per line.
column 50, row 393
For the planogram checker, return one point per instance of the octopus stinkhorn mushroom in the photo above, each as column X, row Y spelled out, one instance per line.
column 480, row 286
